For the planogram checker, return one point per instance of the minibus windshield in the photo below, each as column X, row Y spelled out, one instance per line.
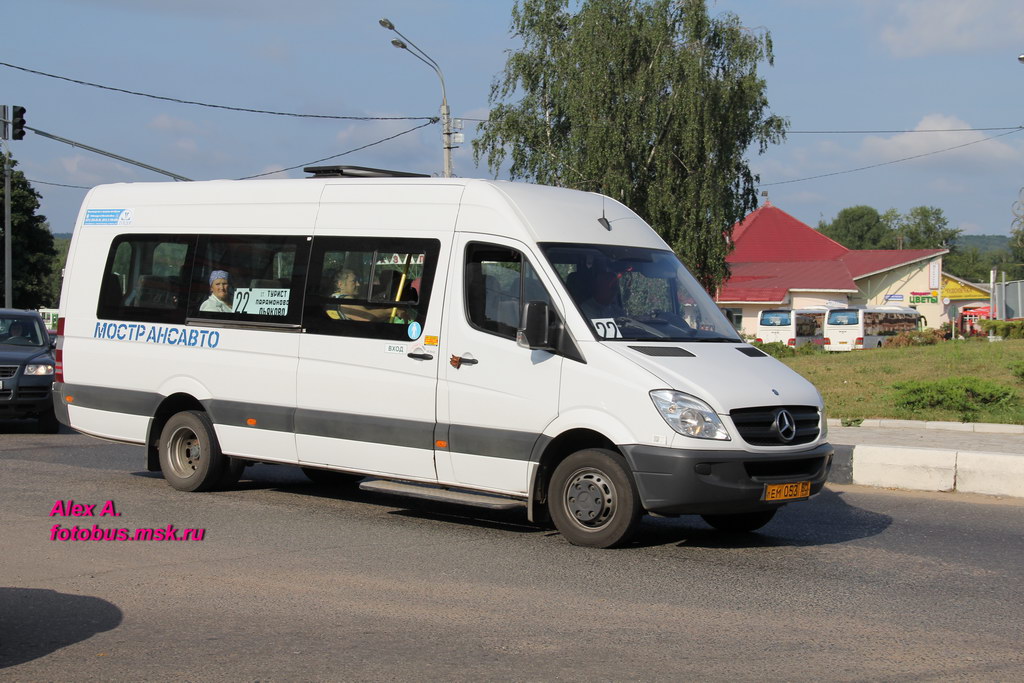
column 637, row 294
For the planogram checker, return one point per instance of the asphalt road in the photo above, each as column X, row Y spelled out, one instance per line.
column 293, row 581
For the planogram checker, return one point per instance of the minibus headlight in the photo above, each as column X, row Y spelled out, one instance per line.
column 39, row 369
column 689, row 416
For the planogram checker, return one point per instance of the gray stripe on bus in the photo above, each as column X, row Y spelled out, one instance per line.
column 485, row 441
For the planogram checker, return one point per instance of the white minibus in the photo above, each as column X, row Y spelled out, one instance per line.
column 792, row 327
column 484, row 342
column 850, row 329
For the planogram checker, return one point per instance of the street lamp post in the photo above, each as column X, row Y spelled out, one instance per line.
column 446, row 119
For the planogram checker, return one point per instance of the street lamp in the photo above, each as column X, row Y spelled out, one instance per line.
column 446, row 119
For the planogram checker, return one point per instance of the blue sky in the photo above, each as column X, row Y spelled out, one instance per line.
column 840, row 65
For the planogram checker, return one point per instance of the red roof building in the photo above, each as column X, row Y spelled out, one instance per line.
column 779, row 262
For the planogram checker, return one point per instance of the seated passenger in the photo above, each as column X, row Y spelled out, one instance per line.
column 219, row 300
column 347, row 286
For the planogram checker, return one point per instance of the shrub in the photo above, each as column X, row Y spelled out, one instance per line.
column 1007, row 329
column 915, row 338
column 776, row 349
column 1017, row 368
column 809, row 349
column 963, row 395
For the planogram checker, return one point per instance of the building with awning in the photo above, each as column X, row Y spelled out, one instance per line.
column 779, row 262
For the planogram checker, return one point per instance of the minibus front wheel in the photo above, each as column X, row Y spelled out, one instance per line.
column 593, row 500
column 190, row 455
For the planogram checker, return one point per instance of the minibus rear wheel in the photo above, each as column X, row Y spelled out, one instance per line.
column 593, row 500
column 190, row 455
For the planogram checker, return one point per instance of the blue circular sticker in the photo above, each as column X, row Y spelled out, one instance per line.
column 414, row 330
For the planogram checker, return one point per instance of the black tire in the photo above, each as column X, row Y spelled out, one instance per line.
column 48, row 423
column 593, row 500
column 332, row 478
column 232, row 472
column 741, row 523
column 190, row 455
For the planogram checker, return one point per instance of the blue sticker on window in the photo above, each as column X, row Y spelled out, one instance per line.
column 108, row 217
column 414, row 330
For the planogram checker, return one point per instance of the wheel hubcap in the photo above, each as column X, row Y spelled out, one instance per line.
column 590, row 498
column 185, row 452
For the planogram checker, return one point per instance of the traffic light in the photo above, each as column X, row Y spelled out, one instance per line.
column 17, row 122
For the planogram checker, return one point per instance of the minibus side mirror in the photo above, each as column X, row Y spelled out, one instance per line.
column 541, row 329
column 535, row 328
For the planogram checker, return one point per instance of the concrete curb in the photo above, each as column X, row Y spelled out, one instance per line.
column 981, row 427
column 929, row 469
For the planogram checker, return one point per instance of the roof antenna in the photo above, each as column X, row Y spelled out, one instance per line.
column 602, row 220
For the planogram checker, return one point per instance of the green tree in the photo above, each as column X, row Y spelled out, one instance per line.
column 654, row 103
column 860, row 227
column 61, row 246
column 968, row 263
column 925, row 227
column 31, row 246
column 1014, row 265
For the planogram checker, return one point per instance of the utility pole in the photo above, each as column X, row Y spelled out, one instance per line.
column 8, row 282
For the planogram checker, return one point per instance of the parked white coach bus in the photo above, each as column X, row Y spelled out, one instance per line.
column 792, row 327
column 485, row 342
column 850, row 329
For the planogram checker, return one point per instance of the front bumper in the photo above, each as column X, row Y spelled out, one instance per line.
column 675, row 481
column 25, row 396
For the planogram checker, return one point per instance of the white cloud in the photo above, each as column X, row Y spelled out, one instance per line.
column 962, row 147
column 946, row 186
column 90, row 170
column 170, row 124
column 926, row 27
column 186, row 146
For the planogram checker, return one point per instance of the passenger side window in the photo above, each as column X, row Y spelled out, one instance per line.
column 146, row 278
column 257, row 279
column 370, row 287
column 498, row 281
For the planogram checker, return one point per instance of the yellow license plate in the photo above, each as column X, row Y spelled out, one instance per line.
column 799, row 489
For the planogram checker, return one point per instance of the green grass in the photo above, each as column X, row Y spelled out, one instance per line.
column 860, row 384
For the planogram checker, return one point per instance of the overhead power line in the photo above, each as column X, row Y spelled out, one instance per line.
column 894, row 161
column 424, row 118
column 216, row 106
column 80, row 145
column 916, row 130
column 335, row 156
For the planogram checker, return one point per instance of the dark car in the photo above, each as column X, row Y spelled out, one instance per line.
column 26, row 368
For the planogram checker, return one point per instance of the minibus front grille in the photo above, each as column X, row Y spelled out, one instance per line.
column 760, row 426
